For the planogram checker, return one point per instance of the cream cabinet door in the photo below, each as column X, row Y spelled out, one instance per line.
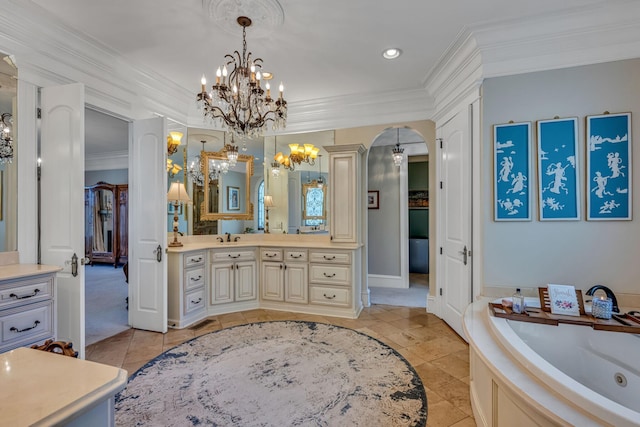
column 221, row 284
column 296, row 283
column 245, row 280
column 273, row 281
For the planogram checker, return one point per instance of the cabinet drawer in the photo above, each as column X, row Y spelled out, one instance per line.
column 330, row 274
column 26, row 325
column 295, row 255
column 239, row 255
column 21, row 292
column 194, row 301
column 194, row 259
column 267, row 254
column 331, row 257
column 330, row 296
column 193, row 278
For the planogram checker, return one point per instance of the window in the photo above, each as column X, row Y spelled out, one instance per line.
column 313, row 211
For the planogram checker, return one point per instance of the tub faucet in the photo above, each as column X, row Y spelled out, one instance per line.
column 228, row 236
column 592, row 290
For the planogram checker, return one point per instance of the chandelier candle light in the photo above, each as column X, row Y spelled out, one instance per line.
column 237, row 99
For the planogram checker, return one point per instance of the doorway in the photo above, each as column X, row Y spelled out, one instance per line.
column 106, row 288
column 398, row 219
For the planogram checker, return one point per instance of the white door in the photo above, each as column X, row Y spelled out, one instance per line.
column 62, row 203
column 148, row 225
column 454, row 201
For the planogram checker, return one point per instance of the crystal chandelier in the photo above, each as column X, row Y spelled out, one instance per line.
column 397, row 151
column 275, row 166
column 306, row 153
column 6, row 140
column 237, row 100
column 196, row 174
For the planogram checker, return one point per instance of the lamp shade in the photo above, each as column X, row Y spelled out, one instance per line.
column 177, row 193
column 268, row 202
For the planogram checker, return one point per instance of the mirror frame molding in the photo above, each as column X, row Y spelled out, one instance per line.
column 221, row 155
column 305, row 189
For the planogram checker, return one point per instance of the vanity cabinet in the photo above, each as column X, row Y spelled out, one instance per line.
column 187, row 281
column 285, row 275
column 233, row 276
column 27, row 310
column 330, row 278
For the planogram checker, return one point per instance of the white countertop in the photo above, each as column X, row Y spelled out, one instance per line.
column 42, row 388
column 193, row 243
column 17, row 271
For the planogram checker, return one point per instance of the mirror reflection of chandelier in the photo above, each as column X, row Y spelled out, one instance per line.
column 300, row 153
column 237, row 99
column 6, row 139
column 196, row 174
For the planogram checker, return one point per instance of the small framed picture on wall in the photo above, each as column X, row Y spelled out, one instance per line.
column 373, row 199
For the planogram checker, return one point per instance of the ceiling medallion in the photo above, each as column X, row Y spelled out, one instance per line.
column 266, row 15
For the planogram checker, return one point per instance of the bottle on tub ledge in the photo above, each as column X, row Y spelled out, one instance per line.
column 518, row 302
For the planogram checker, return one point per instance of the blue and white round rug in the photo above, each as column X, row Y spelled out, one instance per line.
column 287, row 373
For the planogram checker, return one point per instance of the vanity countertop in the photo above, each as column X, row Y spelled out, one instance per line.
column 289, row 242
column 42, row 388
column 17, row 271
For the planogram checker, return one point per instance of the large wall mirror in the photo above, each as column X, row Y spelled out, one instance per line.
column 8, row 161
column 233, row 202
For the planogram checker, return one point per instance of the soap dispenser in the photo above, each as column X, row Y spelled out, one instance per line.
column 518, row 302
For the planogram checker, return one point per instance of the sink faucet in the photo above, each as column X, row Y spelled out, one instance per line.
column 228, row 236
column 220, row 239
column 235, row 239
column 592, row 290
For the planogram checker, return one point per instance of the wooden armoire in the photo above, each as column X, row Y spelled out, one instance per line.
column 106, row 223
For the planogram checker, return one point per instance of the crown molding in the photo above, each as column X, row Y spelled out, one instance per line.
column 107, row 161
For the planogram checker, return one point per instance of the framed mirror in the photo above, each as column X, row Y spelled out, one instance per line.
column 227, row 191
column 8, row 164
column 314, row 203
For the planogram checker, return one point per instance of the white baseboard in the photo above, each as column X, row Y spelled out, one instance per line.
column 380, row 281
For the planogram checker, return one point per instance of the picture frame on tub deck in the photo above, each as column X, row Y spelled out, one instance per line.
column 558, row 169
column 609, row 167
column 512, row 167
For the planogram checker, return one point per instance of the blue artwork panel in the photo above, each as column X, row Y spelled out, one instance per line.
column 512, row 163
column 609, row 167
column 558, row 169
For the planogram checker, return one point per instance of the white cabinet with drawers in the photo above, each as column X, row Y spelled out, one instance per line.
column 27, row 306
column 331, row 278
column 233, row 280
column 285, row 275
column 187, row 287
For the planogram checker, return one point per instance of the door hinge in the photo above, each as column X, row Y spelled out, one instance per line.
column 440, row 139
column 440, row 250
column 441, row 185
column 440, row 291
column 39, row 113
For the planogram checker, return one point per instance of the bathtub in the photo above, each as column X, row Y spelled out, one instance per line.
column 528, row 374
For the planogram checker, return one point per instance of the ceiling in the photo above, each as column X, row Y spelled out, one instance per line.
column 318, row 49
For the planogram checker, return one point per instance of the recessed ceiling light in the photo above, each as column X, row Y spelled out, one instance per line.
column 391, row 53
column 267, row 75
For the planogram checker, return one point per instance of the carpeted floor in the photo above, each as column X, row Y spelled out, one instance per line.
column 415, row 296
column 105, row 302
column 281, row 373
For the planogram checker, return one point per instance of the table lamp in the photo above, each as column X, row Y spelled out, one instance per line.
column 177, row 194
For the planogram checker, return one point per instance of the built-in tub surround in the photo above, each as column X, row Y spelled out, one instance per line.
column 551, row 375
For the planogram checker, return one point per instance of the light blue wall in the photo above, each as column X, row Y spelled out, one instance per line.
column 582, row 253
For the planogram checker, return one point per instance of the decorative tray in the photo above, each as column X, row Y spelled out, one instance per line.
column 618, row 323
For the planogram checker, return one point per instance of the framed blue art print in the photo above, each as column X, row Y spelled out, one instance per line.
column 512, row 165
column 609, row 167
column 558, row 174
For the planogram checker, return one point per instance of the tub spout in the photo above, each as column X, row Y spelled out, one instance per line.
column 592, row 290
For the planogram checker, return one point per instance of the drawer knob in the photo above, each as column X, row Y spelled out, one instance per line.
column 329, row 258
column 329, row 275
column 35, row 292
column 14, row 329
column 197, row 302
column 328, row 297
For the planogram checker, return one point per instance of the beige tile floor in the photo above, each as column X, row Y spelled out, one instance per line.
column 440, row 357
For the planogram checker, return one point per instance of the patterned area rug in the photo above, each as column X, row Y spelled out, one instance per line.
column 286, row 373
